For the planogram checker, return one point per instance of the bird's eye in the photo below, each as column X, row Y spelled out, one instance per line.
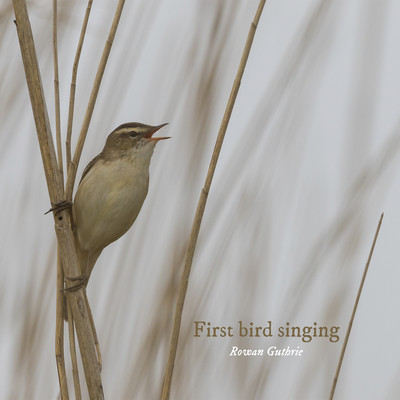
column 133, row 134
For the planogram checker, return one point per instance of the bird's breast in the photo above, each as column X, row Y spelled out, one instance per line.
column 108, row 201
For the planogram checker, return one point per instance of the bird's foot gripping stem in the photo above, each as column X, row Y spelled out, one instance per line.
column 78, row 282
column 62, row 205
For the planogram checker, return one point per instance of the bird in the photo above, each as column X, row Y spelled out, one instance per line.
column 112, row 190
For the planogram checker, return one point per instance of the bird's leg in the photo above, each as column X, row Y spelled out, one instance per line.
column 62, row 205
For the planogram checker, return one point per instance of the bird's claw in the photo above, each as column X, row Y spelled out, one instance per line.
column 80, row 280
column 63, row 205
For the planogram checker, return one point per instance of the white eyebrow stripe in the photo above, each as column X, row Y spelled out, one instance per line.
column 125, row 130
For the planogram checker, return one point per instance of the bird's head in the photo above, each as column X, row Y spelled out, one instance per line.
column 132, row 139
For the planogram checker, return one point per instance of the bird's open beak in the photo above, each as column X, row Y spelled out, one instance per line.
column 151, row 132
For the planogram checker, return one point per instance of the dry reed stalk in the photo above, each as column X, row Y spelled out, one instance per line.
column 54, row 181
column 72, row 350
column 201, row 206
column 73, row 83
column 59, row 336
column 346, row 339
column 57, row 91
column 92, row 101
column 94, row 332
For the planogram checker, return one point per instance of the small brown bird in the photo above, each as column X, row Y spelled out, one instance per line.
column 112, row 190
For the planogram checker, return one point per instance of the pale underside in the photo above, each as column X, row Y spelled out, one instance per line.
column 104, row 212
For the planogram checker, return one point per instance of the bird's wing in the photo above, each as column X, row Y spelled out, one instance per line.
column 89, row 166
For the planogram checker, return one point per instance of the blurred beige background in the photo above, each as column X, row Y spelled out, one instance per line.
column 310, row 160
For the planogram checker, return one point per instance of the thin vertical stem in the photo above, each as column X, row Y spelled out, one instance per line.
column 57, row 92
column 92, row 101
column 59, row 334
column 72, row 349
column 73, row 83
column 346, row 339
column 94, row 332
column 59, row 339
column 201, row 206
